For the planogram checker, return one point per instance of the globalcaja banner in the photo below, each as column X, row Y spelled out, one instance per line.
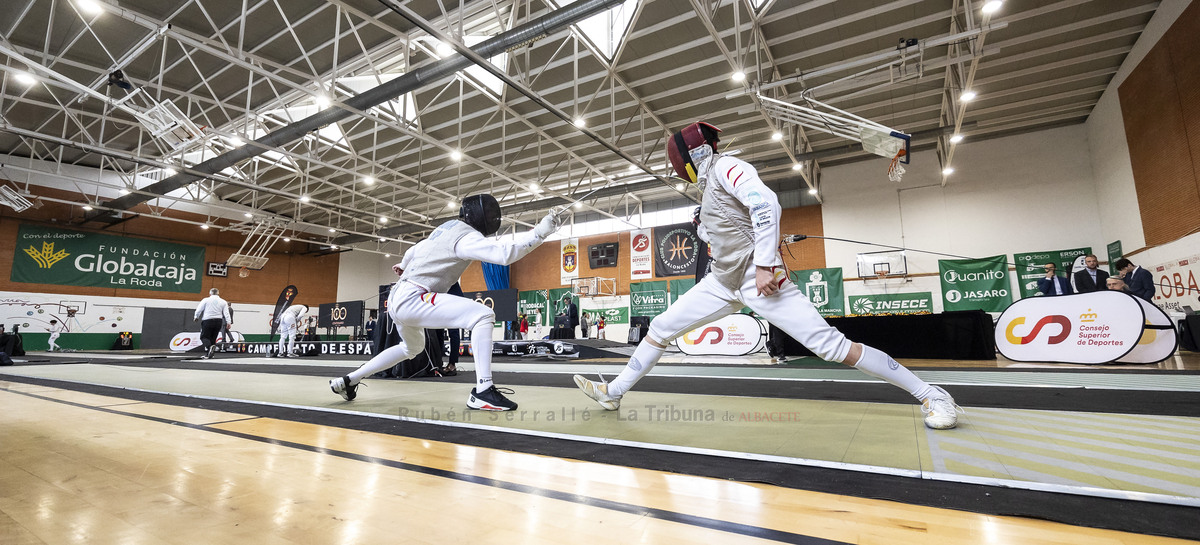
column 824, row 289
column 892, row 303
column 648, row 298
column 975, row 284
column 675, row 249
column 1031, row 267
column 49, row 255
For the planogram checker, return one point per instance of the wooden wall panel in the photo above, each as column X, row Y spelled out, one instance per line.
column 315, row 276
column 1162, row 127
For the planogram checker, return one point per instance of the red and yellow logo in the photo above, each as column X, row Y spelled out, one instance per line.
column 716, row 331
column 1062, row 321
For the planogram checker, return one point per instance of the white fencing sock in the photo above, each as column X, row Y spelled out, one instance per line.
column 643, row 360
column 879, row 365
column 481, row 345
column 389, row 357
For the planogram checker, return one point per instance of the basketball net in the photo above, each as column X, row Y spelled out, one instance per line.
column 244, row 272
column 896, row 170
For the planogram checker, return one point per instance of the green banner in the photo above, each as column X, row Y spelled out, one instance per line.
column 648, row 298
column 892, row 303
column 49, row 255
column 824, row 289
column 679, row 286
column 558, row 302
column 615, row 315
column 1114, row 253
column 1031, row 267
column 975, row 284
column 533, row 305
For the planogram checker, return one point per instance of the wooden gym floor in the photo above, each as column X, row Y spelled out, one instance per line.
column 234, row 451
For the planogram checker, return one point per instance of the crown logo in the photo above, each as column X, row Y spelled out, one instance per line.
column 47, row 257
column 1088, row 316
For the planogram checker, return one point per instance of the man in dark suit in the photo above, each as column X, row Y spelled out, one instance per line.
column 1053, row 284
column 1092, row 278
column 1139, row 280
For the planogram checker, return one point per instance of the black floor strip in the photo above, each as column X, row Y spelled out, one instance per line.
column 622, row 507
column 1124, row 515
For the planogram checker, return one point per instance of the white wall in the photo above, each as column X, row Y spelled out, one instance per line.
column 1120, row 219
column 361, row 273
column 97, row 314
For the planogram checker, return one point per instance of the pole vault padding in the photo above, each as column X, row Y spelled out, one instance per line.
column 1088, row 328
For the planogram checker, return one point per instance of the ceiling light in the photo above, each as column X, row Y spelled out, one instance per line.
column 248, row 215
column 947, row 171
column 305, row 198
column 171, row 172
column 237, row 141
column 286, row 239
column 956, row 139
column 333, row 246
column 967, row 96
column 124, row 191
column 387, row 255
column 812, row 191
column 381, row 239
column 739, row 76
column 332, row 230
column 87, row 207
column 24, row 79
column 777, row 136
column 578, row 205
column 323, row 101
column 90, row 6
column 443, row 49
column 451, row 203
column 205, row 226
column 382, row 219
column 455, row 155
column 534, row 188
column 797, row 166
column 633, row 168
column 368, row 180
column 991, row 7
column 579, row 122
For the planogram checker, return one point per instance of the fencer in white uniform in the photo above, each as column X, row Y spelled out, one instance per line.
column 56, row 328
column 289, row 327
column 419, row 300
column 739, row 218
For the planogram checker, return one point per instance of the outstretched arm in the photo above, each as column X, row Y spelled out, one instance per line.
column 505, row 252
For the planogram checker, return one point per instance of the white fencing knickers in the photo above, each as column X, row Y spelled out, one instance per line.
column 413, row 310
column 287, row 333
column 788, row 309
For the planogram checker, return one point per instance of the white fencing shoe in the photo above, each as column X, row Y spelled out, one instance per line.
column 341, row 386
column 941, row 413
column 599, row 392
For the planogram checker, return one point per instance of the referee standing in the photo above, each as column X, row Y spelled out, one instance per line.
column 213, row 313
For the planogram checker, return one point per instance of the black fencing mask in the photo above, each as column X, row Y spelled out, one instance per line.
column 481, row 212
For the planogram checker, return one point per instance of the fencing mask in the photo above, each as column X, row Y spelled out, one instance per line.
column 481, row 212
column 690, row 147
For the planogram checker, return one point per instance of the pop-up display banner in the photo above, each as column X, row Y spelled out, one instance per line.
column 1089, row 328
column 733, row 335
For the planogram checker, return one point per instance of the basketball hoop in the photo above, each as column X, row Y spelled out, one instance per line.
column 896, row 170
column 243, row 272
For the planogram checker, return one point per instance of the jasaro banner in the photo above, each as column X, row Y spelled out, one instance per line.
column 49, row 255
column 975, row 284
column 1091, row 328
